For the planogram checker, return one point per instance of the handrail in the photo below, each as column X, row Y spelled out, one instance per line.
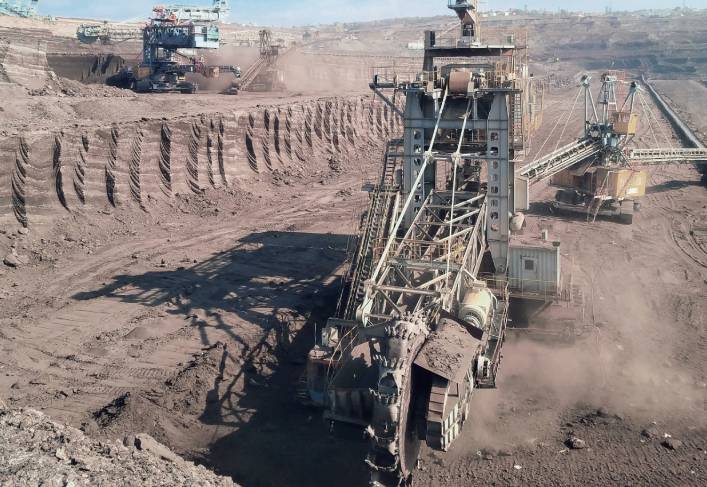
column 560, row 159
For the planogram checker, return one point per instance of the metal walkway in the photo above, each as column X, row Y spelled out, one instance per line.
column 560, row 159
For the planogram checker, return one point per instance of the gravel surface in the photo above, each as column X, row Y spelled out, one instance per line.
column 35, row 451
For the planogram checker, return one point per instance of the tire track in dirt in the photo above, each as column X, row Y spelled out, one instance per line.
column 210, row 157
column 221, row 150
column 58, row 170
column 192, row 163
column 680, row 235
column 135, row 166
column 110, row 261
column 80, row 169
column 250, row 147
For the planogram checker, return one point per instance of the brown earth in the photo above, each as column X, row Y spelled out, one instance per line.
column 173, row 255
column 38, row 451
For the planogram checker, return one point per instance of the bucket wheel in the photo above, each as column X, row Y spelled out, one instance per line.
column 399, row 402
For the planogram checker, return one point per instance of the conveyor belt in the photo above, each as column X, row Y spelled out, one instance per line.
column 560, row 159
column 662, row 156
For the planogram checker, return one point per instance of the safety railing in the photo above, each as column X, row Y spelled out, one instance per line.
column 560, row 159
column 527, row 288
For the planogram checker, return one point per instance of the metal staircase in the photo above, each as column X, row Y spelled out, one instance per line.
column 560, row 159
column 374, row 228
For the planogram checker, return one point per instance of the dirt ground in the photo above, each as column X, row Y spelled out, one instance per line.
column 181, row 251
column 689, row 98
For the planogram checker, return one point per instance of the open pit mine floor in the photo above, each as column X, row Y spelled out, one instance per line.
column 167, row 260
column 180, row 300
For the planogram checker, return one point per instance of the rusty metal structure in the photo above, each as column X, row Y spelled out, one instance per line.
column 599, row 173
column 423, row 312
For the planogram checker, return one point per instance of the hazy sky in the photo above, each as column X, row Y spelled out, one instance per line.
column 299, row 12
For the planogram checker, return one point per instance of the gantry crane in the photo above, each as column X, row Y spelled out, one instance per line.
column 423, row 313
column 599, row 171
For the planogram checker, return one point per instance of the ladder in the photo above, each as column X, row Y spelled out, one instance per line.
column 598, row 200
column 516, row 135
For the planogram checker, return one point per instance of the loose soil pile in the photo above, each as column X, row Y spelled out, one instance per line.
column 35, row 450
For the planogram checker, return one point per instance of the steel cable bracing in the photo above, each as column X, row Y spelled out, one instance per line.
column 455, row 160
column 428, row 158
column 552, row 131
column 569, row 115
column 649, row 113
column 650, row 124
column 655, row 119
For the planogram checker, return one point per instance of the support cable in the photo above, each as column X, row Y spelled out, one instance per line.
column 569, row 115
column 646, row 108
column 456, row 157
column 655, row 119
column 552, row 131
column 427, row 159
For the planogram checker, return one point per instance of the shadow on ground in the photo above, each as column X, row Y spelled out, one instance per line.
column 672, row 186
column 264, row 299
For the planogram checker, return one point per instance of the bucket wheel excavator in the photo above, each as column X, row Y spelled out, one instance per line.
column 598, row 173
column 422, row 316
column 171, row 42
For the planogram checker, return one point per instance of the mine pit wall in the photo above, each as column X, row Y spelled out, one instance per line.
column 87, row 68
column 24, row 64
column 326, row 72
column 144, row 163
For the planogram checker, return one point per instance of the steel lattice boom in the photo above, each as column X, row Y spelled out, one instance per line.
column 422, row 315
column 598, row 172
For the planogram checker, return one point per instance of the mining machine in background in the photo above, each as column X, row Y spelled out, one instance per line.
column 600, row 174
column 19, row 8
column 264, row 74
column 172, row 42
